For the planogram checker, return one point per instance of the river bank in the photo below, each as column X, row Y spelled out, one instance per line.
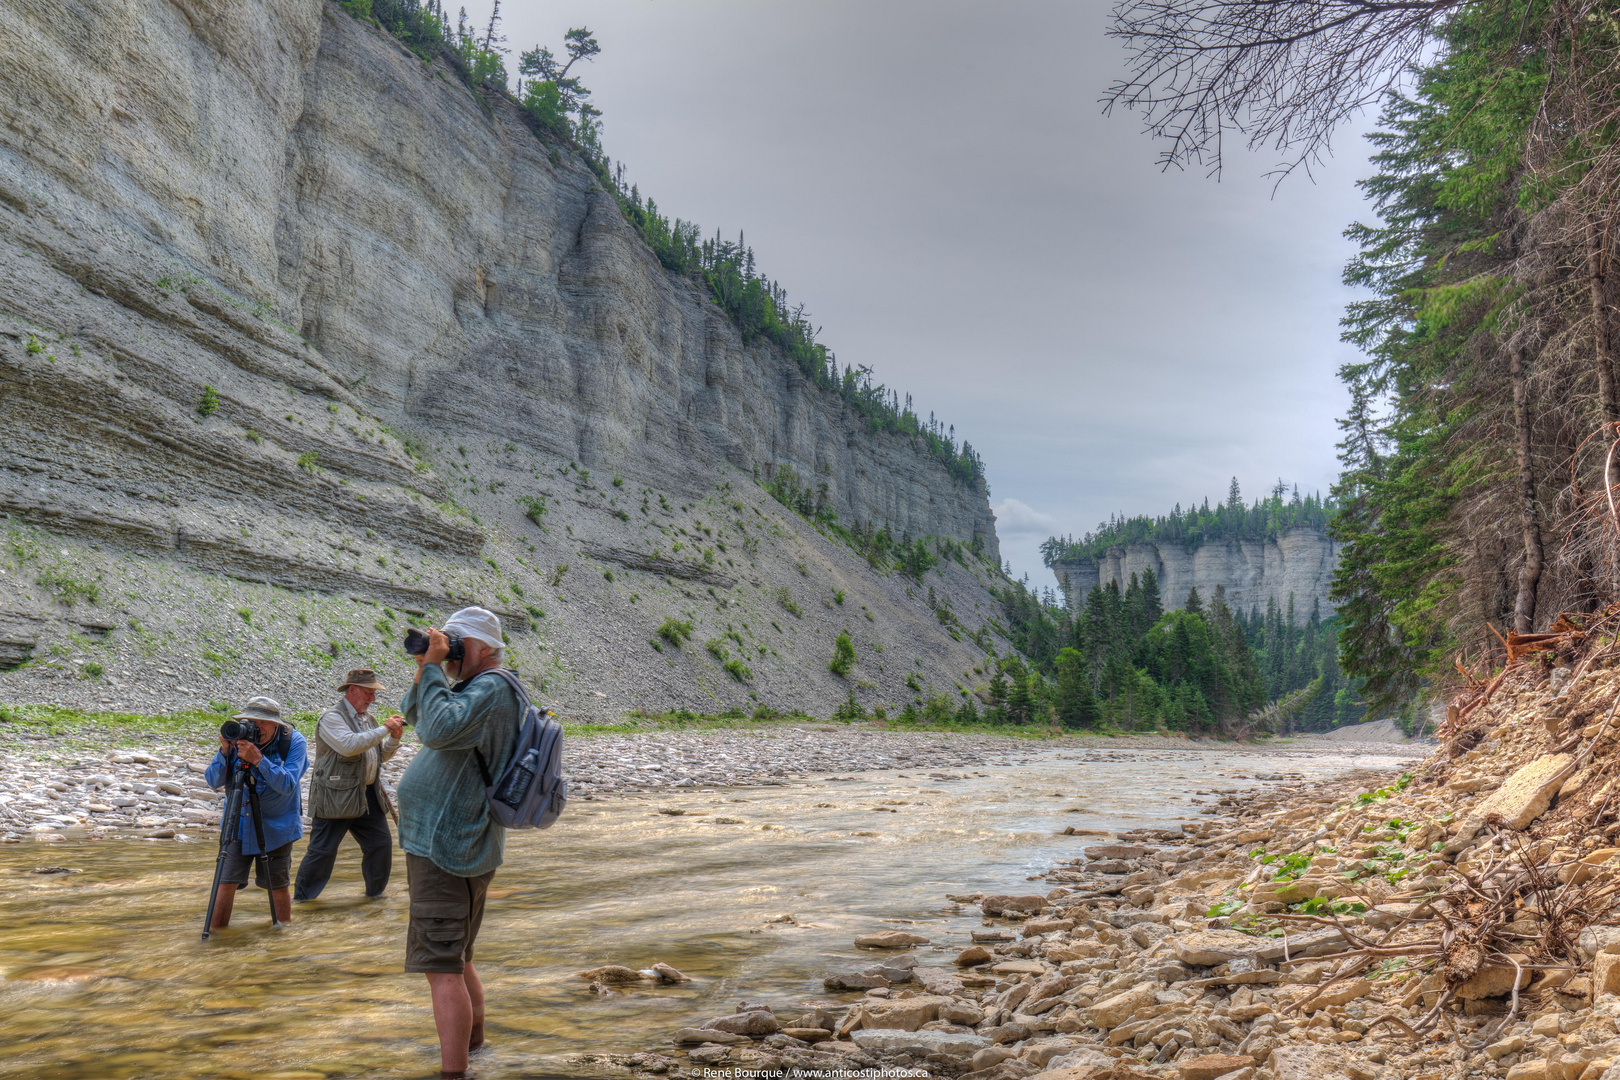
column 756, row 893
column 1457, row 920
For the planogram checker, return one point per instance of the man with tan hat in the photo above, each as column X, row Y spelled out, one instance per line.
column 346, row 795
column 275, row 761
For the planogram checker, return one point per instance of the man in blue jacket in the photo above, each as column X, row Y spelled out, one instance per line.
column 276, row 762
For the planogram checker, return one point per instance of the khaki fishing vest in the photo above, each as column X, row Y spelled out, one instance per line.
column 337, row 786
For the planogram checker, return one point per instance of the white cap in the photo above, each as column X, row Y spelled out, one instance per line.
column 477, row 623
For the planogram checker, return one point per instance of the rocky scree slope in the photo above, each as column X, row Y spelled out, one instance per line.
column 284, row 304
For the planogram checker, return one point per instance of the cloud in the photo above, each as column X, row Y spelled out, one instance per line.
column 1013, row 516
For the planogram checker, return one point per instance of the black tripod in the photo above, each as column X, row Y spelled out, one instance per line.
column 237, row 780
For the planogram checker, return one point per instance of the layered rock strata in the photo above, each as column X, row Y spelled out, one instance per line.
column 280, row 301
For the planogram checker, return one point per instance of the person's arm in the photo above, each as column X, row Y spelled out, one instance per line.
column 386, row 748
column 348, row 744
column 282, row 775
column 214, row 775
column 446, row 720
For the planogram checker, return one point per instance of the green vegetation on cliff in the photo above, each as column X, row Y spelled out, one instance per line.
column 1265, row 519
column 557, row 105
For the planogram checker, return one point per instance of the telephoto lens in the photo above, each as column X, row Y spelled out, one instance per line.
column 231, row 730
column 416, row 643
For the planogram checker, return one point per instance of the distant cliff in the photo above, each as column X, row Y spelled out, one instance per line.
column 1298, row 563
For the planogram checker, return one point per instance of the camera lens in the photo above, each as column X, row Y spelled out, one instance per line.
column 416, row 642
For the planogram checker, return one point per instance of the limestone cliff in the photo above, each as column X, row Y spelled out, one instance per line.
column 1297, row 564
column 286, row 303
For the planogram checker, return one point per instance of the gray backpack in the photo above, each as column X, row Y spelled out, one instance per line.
column 530, row 793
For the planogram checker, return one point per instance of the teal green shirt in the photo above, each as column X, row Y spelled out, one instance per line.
column 443, row 806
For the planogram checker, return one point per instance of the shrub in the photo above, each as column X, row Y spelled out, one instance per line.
column 90, row 670
column 675, row 631
column 785, row 598
column 208, row 404
column 68, row 589
column 306, row 461
column 738, row 670
column 717, row 648
column 843, row 655
column 838, row 597
column 253, row 436
column 850, row 710
column 534, row 507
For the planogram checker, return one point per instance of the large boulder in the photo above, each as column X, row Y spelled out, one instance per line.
column 1115, row 851
column 1113, row 1011
column 1493, row 979
column 1521, row 799
column 902, row 1014
column 951, row 1044
column 1211, row 1066
column 996, row 905
column 756, row 1023
column 1208, row 948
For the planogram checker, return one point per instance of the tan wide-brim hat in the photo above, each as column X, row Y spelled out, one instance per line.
column 263, row 709
column 364, row 678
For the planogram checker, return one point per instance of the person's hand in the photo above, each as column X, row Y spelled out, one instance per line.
column 224, row 746
column 438, row 648
column 248, row 752
column 395, row 725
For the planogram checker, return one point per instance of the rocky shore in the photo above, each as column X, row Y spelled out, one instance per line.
column 1460, row 920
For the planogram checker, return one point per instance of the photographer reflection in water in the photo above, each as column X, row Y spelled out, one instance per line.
column 274, row 758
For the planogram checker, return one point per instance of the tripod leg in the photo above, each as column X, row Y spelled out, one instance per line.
column 229, row 826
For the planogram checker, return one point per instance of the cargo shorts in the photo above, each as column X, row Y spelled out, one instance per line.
column 277, row 861
column 446, row 912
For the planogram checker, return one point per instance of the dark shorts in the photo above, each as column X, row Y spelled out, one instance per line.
column 278, row 861
column 446, row 912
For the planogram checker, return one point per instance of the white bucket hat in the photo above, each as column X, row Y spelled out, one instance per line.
column 477, row 623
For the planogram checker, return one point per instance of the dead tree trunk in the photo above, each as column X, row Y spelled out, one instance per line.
column 1524, row 605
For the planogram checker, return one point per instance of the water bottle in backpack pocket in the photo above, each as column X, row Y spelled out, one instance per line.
column 531, row 792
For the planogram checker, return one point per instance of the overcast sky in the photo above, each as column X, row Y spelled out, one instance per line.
column 936, row 182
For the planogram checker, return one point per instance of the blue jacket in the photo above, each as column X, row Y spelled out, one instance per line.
column 280, row 799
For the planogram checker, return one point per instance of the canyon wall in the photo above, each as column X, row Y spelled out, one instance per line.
column 1297, row 564
column 283, row 302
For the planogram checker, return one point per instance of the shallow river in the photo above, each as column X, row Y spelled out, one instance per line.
column 105, row 975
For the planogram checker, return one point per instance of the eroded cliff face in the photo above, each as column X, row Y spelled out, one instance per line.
column 409, row 309
column 1298, row 564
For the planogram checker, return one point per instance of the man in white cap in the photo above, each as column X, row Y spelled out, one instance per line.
column 468, row 727
column 276, row 761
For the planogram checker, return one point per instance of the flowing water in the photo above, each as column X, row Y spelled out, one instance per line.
column 105, row 975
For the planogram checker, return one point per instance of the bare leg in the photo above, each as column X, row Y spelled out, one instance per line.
column 453, row 1016
column 475, row 996
column 281, row 904
column 222, row 906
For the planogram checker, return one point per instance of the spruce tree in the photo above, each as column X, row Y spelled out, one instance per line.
column 1194, row 604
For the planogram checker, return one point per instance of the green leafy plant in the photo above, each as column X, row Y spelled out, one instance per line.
column 843, row 658
column 306, row 461
column 838, row 597
column 67, row 587
column 34, row 346
column 785, row 598
column 1224, row 909
column 90, row 670
column 675, row 631
column 1400, row 785
column 738, row 670
column 850, row 710
column 208, row 403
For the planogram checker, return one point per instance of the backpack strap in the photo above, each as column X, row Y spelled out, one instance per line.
column 523, row 709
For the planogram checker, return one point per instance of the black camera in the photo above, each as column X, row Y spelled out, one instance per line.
column 231, row 730
column 416, row 643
